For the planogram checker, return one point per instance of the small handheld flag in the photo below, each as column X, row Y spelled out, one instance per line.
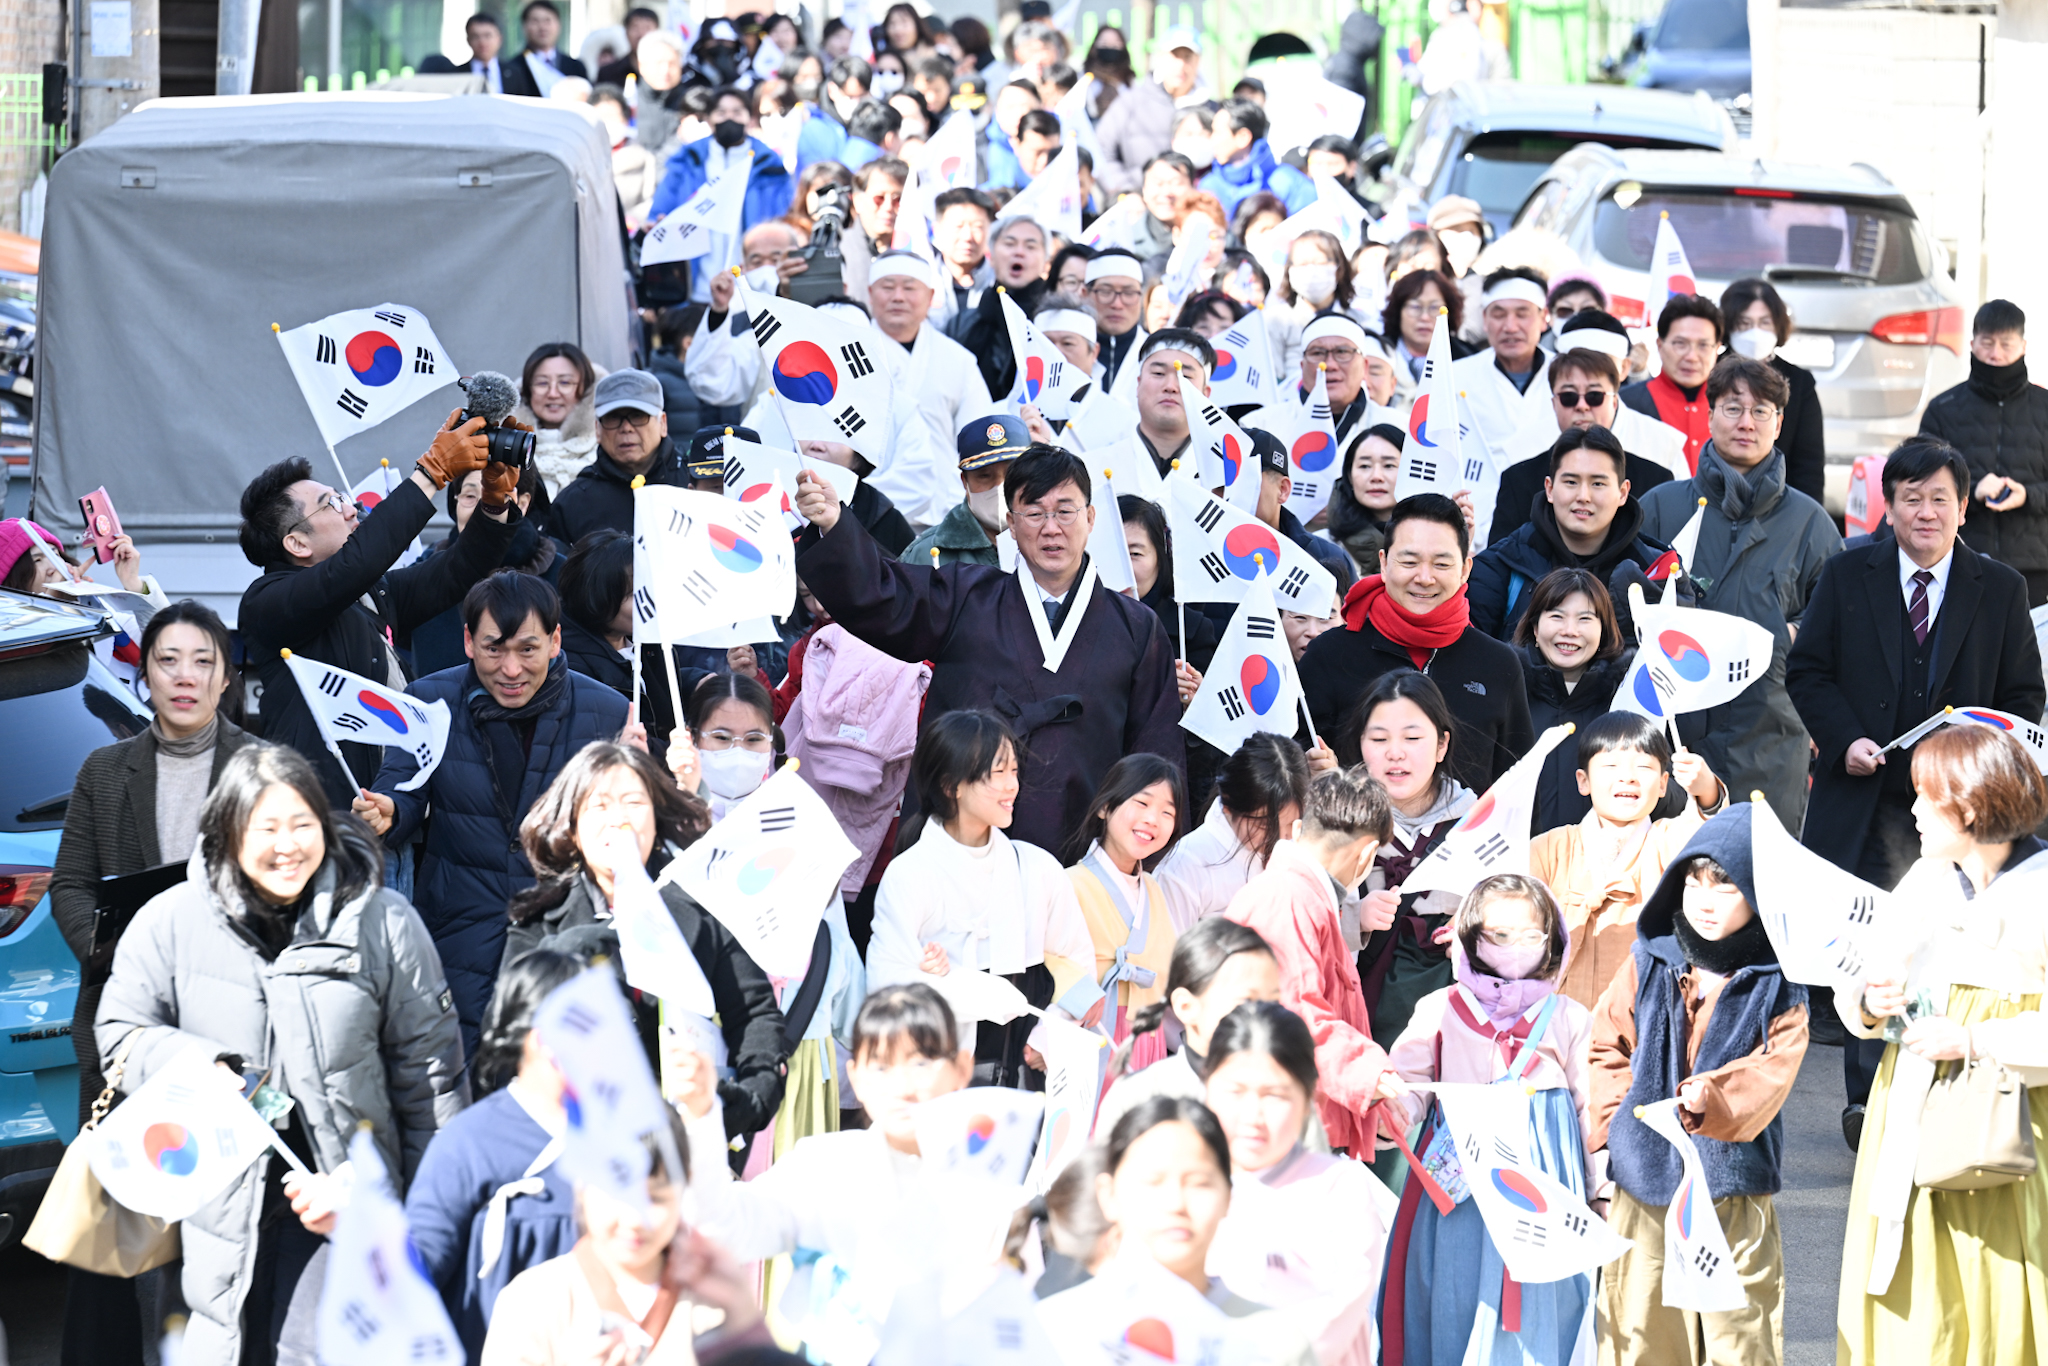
column 685, row 234
column 2033, row 737
column 1108, row 551
column 1224, row 455
column 1821, row 920
column 1312, row 467
column 1492, row 837
column 179, row 1140
column 1690, row 659
column 1684, row 550
column 376, row 1303
column 1053, row 197
column 984, row 1132
column 1699, row 1269
column 1670, row 271
column 1045, row 377
column 702, row 561
column 609, row 1097
column 1218, row 551
column 360, row 367
column 1251, row 685
column 827, row 380
column 347, row 706
column 1244, row 364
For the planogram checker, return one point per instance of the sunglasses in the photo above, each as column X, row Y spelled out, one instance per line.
column 1569, row 398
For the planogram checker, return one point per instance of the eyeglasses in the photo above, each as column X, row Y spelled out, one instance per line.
column 330, row 499
column 1760, row 414
column 619, row 417
column 1108, row 294
column 1336, row 355
column 1689, row 348
column 1066, row 514
column 1420, row 308
column 715, row 740
column 1571, row 398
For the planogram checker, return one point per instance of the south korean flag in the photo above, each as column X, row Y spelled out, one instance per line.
column 1219, row 552
column 1251, row 684
column 1244, row 364
column 358, row 368
column 350, row 707
column 1492, row 837
column 685, row 234
column 826, row 377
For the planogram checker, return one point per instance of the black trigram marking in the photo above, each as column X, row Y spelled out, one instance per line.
column 1233, row 703
column 777, row 818
column 1319, row 412
column 1428, row 369
column 1849, row 962
column 1493, row 849
column 858, row 366
column 733, row 472
column 422, row 361
column 765, row 328
column 390, row 315
column 361, row 1326
column 1260, row 628
column 679, row 522
column 349, row 721
column 1863, row 909
column 2033, row 736
column 643, row 604
column 1577, row 1223
column 352, row 403
column 1423, row 469
column 226, row 1142
column 1473, row 469
column 1738, row 670
column 323, row 351
column 1212, row 415
column 697, row 586
column 1251, row 376
column 417, row 712
column 1530, row 1232
column 1302, row 488
column 849, row 421
column 1009, row 1334
column 1056, row 375
column 1213, row 567
column 424, row 752
column 1296, row 580
column 429, row 1349
column 1705, row 1262
column 579, row 1019
column 1507, row 1155
column 332, row 684
column 1209, row 515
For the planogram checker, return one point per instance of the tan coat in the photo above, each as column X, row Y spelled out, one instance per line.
column 1600, row 903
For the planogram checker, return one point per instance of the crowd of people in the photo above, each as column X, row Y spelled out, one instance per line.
column 998, row 734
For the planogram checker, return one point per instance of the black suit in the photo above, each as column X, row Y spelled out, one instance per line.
column 1848, row 675
column 518, row 77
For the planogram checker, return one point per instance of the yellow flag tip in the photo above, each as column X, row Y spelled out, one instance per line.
column 1176, row 464
column 1641, row 1110
column 275, row 328
column 639, row 481
column 1756, row 796
column 284, row 654
column 1000, row 289
column 363, row 1126
column 1703, row 502
column 1571, row 727
column 737, row 273
column 792, row 764
column 1663, row 213
column 1321, row 368
column 385, row 463
column 1948, row 711
column 1106, row 474
column 1442, row 311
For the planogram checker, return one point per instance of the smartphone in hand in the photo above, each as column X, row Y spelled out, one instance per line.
column 102, row 523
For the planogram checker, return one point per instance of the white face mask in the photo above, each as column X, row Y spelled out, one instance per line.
column 733, row 773
column 1313, row 281
column 764, row 279
column 1462, row 248
column 987, row 507
column 887, row 83
column 1758, row 343
column 1197, row 152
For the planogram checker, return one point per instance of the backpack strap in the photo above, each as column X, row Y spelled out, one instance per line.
column 796, row 1021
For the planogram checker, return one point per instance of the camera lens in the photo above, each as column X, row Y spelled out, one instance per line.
column 510, row 446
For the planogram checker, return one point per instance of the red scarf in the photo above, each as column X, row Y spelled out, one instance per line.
column 1369, row 600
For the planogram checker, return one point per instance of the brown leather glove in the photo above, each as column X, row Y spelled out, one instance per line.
column 500, row 482
column 455, row 452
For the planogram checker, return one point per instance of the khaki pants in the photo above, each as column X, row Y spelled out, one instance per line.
column 1636, row 1328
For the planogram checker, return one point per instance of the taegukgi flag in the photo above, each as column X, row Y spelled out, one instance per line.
column 1822, row 921
column 1053, row 197
column 1699, row 1270
column 360, row 367
column 609, row 1098
column 1223, row 455
column 369, row 494
column 1244, row 363
column 824, row 373
column 180, row 1140
column 702, row 560
column 685, row 234
column 1045, row 377
column 984, row 1132
column 1218, row 551
column 1433, row 460
column 752, row 472
column 1690, row 658
column 949, row 160
column 1251, row 684
column 1074, row 1057
column 2031, row 736
column 766, row 870
column 1492, row 837
column 349, row 707
column 1684, row 552
column 377, row 1305
column 1312, row 452
column 1670, row 271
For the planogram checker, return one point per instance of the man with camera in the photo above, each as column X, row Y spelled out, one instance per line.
column 632, row 440
column 328, row 591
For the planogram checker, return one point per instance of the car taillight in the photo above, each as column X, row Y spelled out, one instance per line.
column 1924, row 327
column 21, row 887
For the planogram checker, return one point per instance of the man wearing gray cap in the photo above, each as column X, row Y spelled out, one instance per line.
column 632, row 439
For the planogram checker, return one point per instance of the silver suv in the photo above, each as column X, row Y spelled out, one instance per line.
column 1875, row 315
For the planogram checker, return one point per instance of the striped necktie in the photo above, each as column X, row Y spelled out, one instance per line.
column 1916, row 607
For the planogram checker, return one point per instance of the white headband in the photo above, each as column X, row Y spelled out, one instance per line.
column 1334, row 325
column 1066, row 320
column 910, row 267
column 1114, row 267
column 1607, row 343
column 1515, row 287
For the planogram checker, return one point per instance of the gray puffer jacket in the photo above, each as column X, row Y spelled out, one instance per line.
column 353, row 1021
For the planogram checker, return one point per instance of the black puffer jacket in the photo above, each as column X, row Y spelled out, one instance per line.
column 1999, row 421
column 1550, row 704
column 1507, row 572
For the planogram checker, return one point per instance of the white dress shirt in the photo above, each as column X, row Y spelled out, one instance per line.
column 494, row 81
column 1936, row 590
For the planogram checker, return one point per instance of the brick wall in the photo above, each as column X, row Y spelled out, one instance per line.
column 31, row 33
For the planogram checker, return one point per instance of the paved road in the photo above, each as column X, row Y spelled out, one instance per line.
column 1812, row 1211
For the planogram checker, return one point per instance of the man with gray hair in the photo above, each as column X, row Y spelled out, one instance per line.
column 1019, row 252
column 936, row 372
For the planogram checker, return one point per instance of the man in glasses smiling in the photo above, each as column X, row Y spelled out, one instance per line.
column 1083, row 674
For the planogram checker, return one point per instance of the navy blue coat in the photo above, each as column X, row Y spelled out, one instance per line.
column 472, row 864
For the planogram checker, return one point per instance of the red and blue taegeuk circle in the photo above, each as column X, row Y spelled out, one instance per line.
column 1260, row 678
column 1233, row 458
column 1418, row 421
column 1244, row 544
column 1034, row 377
column 1688, row 657
column 734, row 551
column 1477, row 816
column 1646, row 693
column 980, row 1130
column 760, row 871
column 754, row 493
column 1519, row 1191
column 170, row 1149
column 1682, row 1203
column 1226, row 366
column 373, row 358
column 383, row 710
column 803, row 373
column 1985, row 718
column 1313, row 451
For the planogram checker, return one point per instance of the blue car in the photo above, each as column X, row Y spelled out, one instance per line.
column 58, row 703
column 1698, row 45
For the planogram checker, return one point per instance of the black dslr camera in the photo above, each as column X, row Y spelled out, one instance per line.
column 492, row 397
column 824, row 273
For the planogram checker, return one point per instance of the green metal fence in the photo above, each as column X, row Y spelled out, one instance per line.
column 21, row 117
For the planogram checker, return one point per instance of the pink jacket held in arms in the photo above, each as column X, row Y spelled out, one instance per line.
column 1293, row 906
